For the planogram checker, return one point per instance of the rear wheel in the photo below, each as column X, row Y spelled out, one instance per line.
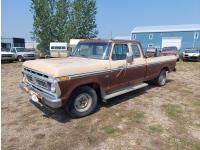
column 83, row 102
column 161, row 79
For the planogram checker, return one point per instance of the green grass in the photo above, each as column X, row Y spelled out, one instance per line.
column 155, row 128
column 136, row 117
column 173, row 111
column 108, row 129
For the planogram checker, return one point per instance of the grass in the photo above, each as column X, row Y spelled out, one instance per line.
column 109, row 129
column 136, row 117
column 173, row 111
column 155, row 128
column 196, row 105
column 185, row 143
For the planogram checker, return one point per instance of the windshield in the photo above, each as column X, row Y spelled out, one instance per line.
column 169, row 49
column 192, row 51
column 21, row 49
column 92, row 50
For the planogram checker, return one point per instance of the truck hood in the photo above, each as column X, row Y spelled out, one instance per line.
column 57, row 67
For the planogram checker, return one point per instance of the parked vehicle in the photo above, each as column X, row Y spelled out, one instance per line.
column 172, row 50
column 22, row 54
column 152, row 52
column 97, row 70
column 6, row 55
column 191, row 54
column 58, row 49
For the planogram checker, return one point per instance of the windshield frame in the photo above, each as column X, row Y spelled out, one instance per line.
column 105, row 54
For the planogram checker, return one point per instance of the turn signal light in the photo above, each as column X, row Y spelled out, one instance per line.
column 63, row 78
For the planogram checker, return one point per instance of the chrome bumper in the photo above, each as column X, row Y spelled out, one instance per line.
column 44, row 98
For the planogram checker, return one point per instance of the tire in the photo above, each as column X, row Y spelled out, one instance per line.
column 84, row 94
column 161, row 79
column 20, row 58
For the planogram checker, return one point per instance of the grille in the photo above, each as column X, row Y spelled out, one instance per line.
column 35, row 73
column 30, row 55
column 36, row 81
column 6, row 55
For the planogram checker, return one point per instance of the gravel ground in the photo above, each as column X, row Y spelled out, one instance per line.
column 150, row 118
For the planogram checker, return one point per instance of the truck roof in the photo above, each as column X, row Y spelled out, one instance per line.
column 110, row 40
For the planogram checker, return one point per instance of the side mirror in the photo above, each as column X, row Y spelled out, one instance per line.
column 129, row 57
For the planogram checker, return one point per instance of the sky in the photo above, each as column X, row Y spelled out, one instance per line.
column 118, row 17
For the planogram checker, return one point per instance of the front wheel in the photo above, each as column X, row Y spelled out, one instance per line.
column 20, row 58
column 82, row 102
column 161, row 79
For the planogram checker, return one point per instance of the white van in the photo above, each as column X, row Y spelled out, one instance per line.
column 58, row 49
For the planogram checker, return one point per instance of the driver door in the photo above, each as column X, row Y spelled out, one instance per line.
column 118, row 66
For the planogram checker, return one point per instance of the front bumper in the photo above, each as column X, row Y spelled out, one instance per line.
column 192, row 58
column 44, row 98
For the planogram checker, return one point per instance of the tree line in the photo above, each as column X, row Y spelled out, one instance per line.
column 62, row 20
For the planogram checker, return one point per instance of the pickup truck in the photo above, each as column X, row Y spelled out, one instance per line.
column 97, row 70
column 6, row 55
column 22, row 53
column 191, row 54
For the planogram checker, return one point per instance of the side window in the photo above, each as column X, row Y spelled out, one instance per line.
column 119, row 51
column 136, row 51
column 13, row 50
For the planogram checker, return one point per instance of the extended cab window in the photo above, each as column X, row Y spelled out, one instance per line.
column 136, row 51
column 119, row 51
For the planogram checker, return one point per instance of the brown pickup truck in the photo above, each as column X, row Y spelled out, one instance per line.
column 97, row 70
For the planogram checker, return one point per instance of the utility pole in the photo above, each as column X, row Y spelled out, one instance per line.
column 111, row 35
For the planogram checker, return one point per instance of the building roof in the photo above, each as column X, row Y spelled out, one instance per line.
column 167, row 28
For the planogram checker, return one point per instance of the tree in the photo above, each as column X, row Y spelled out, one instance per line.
column 61, row 20
column 41, row 26
column 83, row 22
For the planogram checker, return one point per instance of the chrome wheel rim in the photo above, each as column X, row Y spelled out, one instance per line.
column 83, row 102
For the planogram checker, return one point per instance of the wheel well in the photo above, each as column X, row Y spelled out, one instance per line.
column 166, row 69
column 95, row 86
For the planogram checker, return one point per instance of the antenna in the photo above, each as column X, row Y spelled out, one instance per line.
column 111, row 35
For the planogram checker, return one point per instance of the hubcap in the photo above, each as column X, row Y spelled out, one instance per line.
column 83, row 102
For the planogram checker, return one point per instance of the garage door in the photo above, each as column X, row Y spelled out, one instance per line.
column 171, row 41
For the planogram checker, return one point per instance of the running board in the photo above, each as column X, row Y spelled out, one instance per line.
column 125, row 90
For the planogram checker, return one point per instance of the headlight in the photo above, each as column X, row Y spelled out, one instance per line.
column 53, row 88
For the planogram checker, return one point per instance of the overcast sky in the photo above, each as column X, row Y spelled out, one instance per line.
column 116, row 16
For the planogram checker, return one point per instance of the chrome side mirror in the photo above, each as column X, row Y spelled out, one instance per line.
column 129, row 57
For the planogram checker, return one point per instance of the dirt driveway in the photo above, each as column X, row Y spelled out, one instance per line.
column 150, row 118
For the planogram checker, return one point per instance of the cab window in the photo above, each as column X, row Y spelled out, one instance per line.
column 136, row 51
column 120, row 51
column 13, row 50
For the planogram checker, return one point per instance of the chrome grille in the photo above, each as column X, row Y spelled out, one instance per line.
column 37, row 79
column 30, row 55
